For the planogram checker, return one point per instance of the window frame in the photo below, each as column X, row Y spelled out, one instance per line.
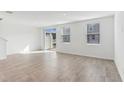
column 66, row 31
column 95, row 31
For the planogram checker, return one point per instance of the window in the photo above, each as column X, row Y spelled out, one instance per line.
column 66, row 34
column 50, row 30
column 93, row 35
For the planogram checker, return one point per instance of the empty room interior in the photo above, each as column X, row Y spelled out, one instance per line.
column 61, row 46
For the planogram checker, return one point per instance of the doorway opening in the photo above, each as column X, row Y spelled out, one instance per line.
column 50, row 39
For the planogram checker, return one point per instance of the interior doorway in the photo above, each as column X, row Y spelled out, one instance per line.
column 50, row 39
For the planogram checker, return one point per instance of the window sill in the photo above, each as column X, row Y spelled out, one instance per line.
column 93, row 44
column 66, row 42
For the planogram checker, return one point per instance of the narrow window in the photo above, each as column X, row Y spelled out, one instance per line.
column 66, row 34
column 93, row 35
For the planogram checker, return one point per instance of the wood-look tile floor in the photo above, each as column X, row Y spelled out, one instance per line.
column 57, row 67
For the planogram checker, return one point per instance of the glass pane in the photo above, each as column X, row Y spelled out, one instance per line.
column 66, row 38
column 93, row 39
column 66, row 31
column 93, row 28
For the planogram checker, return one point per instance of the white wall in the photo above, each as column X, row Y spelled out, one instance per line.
column 20, row 37
column 42, row 39
column 2, row 48
column 79, row 44
column 119, row 42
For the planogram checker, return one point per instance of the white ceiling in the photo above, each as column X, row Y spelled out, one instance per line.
column 46, row 18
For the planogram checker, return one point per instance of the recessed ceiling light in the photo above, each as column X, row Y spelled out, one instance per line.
column 9, row 12
column 65, row 14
